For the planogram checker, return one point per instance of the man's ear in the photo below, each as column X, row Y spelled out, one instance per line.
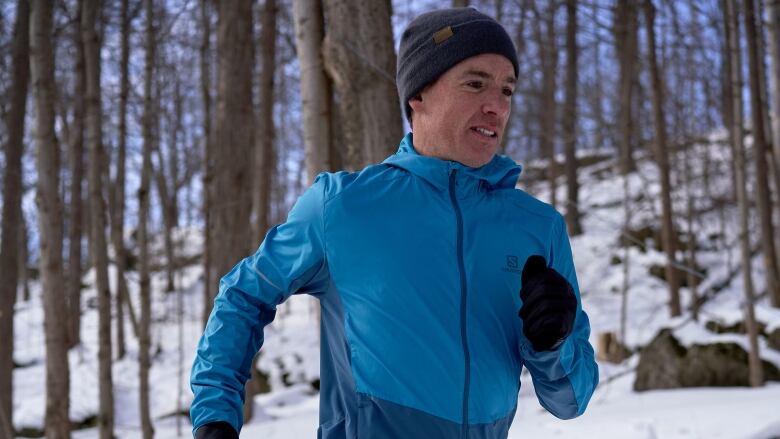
column 416, row 102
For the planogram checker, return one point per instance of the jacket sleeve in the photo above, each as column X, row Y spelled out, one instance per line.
column 565, row 378
column 291, row 259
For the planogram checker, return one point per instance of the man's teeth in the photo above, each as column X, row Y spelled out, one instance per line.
column 485, row 132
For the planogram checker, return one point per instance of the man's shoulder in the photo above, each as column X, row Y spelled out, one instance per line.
column 337, row 183
column 530, row 204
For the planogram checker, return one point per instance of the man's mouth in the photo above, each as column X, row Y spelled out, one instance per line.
column 484, row 132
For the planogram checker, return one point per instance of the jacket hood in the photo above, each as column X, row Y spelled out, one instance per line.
column 499, row 173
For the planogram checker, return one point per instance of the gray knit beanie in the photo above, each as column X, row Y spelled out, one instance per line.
column 437, row 40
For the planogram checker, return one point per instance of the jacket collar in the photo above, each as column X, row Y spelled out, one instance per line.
column 500, row 173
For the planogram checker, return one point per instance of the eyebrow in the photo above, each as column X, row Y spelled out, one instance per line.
column 486, row 75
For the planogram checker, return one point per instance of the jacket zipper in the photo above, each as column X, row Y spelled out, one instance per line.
column 463, row 297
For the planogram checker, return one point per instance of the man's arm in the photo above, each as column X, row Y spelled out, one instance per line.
column 290, row 260
column 564, row 378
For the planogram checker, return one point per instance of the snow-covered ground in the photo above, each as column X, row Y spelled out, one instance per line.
column 615, row 411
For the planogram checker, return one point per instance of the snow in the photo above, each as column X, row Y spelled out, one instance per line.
column 690, row 413
column 291, row 352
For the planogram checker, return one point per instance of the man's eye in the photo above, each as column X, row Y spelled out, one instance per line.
column 475, row 84
column 508, row 92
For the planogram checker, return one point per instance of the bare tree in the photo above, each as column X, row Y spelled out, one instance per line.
column 56, row 424
column 761, row 156
column 359, row 57
column 773, row 12
column 167, row 195
column 116, row 194
column 315, row 88
column 167, row 171
column 208, row 168
column 233, row 133
column 595, row 92
column 686, row 127
column 12, row 207
column 520, row 45
column 548, row 52
column 24, row 257
column 626, row 45
column 773, row 162
column 625, row 287
column 734, row 64
column 691, row 233
column 570, row 122
column 265, row 163
column 662, row 159
column 97, row 237
column 144, row 342
column 76, row 141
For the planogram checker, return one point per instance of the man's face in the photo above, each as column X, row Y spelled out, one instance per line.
column 462, row 116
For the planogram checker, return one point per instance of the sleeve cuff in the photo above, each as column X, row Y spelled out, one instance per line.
column 216, row 430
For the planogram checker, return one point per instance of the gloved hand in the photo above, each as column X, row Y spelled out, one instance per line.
column 216, row 430
column 549, row 305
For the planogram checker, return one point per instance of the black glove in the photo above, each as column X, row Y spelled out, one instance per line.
column 216, row 430
column 549, row 305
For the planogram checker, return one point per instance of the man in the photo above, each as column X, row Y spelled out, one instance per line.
column 421, row 264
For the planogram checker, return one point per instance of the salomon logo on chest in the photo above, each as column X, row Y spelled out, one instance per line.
column 512, row 265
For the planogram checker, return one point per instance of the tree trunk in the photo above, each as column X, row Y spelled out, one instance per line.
column 359, row 57
column 626, row 45
column 520, row 45
column 117, row 189
column 772, row 160
column 315, row 88
column 94, row 127
column 548, row 52
column 570, row 122
column 233, row 132
column 208, row 168
column 76, row 141
column 49, row 204
column 265, row 163
column 773, row 12
column 24, row 257
column 460, row 3
column 626, row 259
column 144, row 342
column 167, row 194
column 761, row 155
column 691, row 127
column 166, row 178
column 597, row 94
column 691, row 239
column 709, row 87
column 174, row 164
column 662, row 158
column 173, row 157
column 12, row 207
column 737, row 136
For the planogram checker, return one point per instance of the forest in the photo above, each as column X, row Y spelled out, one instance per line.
column 149, row 145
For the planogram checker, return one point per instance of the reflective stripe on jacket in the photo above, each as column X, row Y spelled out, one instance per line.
column 416, row 262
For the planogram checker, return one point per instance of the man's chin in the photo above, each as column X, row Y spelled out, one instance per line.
column 481, row 155
column 478, row 162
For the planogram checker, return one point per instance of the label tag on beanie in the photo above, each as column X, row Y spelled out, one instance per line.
column 442, row 35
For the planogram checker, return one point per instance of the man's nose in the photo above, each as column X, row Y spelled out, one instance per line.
column 496, row 102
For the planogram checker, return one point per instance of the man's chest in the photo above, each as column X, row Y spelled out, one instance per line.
column 424, row 254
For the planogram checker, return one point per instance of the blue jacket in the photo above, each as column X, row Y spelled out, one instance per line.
column 416, row 262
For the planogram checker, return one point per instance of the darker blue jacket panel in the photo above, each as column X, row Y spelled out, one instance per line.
column 417, row 263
